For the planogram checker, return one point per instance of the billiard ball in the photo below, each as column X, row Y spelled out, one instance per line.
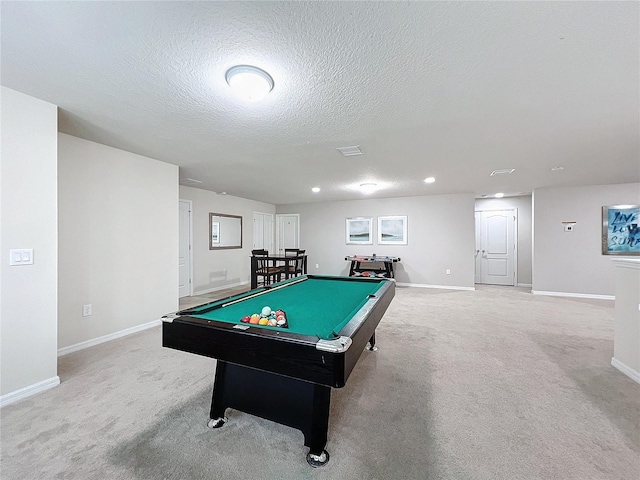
column 266, row 311
column 272, row 322
column 255, row 318
column 263, row 321
column 245, row 319
column 281, row 322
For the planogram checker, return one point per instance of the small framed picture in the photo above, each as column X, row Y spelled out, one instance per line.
column 621, row 230
column 392, row 230
column 359, row 231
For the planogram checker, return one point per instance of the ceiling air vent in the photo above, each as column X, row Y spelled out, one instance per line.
column 189, row 181
column 504, row 171
column 350, row 151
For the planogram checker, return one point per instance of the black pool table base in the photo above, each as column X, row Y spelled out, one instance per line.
column 289, row 401
column 286, row 400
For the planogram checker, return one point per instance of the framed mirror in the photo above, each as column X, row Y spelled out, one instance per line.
column 225, row 231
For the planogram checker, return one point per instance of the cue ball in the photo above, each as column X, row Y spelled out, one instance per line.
column 266, row 311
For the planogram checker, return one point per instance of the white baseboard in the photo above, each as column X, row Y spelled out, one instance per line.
column 223, row 287
column 574, row 295
column 628, row 371
column 107, row 338
column 524, row 285
column 424, row 285
column 25, row 392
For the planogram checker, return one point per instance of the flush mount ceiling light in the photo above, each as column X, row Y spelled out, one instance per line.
column 368, row 188
column 249, row 82
column 315, row 189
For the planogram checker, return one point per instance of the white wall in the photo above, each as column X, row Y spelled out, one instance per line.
column 216, row 269
column 118, row 240
column 441, row 236
column 572, row 262
column 28, row 311
column 524, row 225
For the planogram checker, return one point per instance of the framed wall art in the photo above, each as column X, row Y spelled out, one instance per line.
column 621, row 230
column 359, row 231
column 392, row 230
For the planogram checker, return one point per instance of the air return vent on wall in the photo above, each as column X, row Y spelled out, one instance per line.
column 504, row 171
column 349, row 151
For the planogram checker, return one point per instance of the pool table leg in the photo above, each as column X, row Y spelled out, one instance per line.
column 218, row 406
column 372, row 343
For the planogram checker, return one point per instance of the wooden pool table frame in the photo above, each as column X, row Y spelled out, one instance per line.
column 294, row 372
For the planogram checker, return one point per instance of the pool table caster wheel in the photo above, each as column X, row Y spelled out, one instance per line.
column 372, row 348
column 217, row 422
column 318, row 460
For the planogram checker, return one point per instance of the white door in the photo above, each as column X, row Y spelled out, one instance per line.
column 184, row 249
column 263, row 231
column 495, row 247
column 288, row 232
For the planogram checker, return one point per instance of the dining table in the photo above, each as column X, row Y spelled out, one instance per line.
column 287, row 262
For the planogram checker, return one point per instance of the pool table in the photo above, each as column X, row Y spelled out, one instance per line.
column 285, row 374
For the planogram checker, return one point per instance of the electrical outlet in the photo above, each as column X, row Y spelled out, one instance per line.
column 86, row 310
column 448, row 271
column 317, row 265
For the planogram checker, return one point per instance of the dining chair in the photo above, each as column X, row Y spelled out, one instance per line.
column 296, row 268
column 265, row 268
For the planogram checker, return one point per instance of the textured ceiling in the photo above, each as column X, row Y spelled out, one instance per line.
column 452, row 90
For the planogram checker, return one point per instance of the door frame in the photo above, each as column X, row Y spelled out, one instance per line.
column 514, row 212
column 278, row 218
column 190, row 244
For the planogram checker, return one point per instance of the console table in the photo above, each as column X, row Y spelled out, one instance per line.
column 377, row 266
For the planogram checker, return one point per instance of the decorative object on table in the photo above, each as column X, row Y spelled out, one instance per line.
column 621, row 230
column 267, row 317
column 392, row 230
column 359, row 231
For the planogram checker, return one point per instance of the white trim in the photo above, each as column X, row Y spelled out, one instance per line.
column 445, row 287
column 190, row 242
column 223, row 287
column 574, row 295
column 16, row 396
column 107, row 338
column 628, row 371
column 524, row 285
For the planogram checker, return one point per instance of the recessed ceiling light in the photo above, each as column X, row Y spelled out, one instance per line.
column 249, row 82
column 503, row 171
column 315, row 189
column 429, row 179
column 557, row 169
column 367, row 188
column 499, row 195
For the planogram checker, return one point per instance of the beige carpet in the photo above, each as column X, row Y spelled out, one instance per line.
column 491, row 384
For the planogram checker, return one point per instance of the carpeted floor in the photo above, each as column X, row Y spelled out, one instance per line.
column 488, row 384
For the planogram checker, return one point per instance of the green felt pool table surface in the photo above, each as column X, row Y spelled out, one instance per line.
column 314, row 306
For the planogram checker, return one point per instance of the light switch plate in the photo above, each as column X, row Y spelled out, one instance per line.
column 21, row 256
